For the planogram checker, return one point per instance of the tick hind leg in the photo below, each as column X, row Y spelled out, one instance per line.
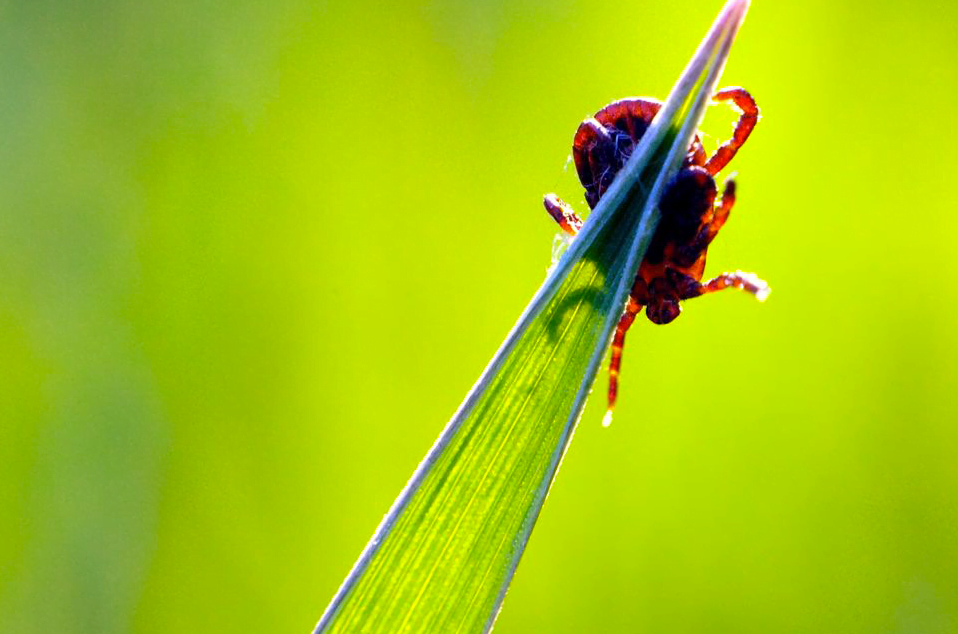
column 618, row 343
column 748, row 282
column 721, row 211
column 743, row 127
column 637, row 299
column 563, row 214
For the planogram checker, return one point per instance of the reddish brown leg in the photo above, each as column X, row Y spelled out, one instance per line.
column 618, row 342
column 748, row 282
column 721, row 211
column 744, row 103
column 563, row 214
column 638, row 297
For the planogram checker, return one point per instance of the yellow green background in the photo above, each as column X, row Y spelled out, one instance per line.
column 253, row 255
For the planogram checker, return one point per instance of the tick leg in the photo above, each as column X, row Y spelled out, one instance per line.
column 618, row 342
column 721, row 211
column 748, row 282
column 691, row 257
column 562, row 213
column 746, row 105
column 638, row 298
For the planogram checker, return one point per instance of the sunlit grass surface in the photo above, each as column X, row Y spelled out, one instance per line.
column 222, row 223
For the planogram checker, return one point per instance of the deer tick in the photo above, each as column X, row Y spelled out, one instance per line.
column 690, row 217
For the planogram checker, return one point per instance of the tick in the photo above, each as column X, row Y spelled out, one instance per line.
column 690, row 216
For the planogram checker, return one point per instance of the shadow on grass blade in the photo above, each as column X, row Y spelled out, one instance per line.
column 443, row 557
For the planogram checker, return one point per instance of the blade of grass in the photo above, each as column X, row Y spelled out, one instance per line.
column 443, row 557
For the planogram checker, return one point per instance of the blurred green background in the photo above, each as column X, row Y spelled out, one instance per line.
column 252, row 256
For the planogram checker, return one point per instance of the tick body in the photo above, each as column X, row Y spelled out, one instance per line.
column 690, row 214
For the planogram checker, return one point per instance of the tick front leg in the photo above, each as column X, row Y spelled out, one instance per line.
column 563, row 214
column 746, row 122
column 748, row 282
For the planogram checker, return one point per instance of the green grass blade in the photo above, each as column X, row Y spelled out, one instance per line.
column 443, row 557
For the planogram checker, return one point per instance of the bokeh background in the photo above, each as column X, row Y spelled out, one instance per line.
column 252, row 256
